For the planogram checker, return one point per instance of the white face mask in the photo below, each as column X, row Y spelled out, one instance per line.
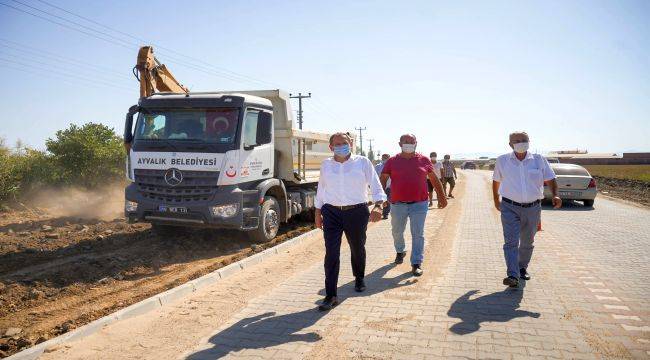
column 433, row 158
column 408, row 148
column 520, row 147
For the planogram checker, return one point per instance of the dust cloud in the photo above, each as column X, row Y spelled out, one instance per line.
column 105, row 203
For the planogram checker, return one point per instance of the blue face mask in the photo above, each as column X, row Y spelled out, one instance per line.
column 342, row 150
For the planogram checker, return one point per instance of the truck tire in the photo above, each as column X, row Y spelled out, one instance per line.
column 588, row 203
column 269, row 221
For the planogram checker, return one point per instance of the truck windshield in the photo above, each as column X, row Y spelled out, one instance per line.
column 217, row 126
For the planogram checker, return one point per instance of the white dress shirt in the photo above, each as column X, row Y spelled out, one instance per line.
column 436, row 169
column 522, row 181
column 347, row 183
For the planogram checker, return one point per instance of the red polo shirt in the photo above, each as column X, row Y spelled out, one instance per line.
column 408, row 177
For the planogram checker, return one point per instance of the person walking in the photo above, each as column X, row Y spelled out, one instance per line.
column 407, row 172
column 448, row 176
column 378, row 168
column 437, row 166
column 518, row 180
column 341, row 207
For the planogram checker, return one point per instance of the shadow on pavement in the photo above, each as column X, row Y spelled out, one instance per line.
column 501, row 306
column 269, row 329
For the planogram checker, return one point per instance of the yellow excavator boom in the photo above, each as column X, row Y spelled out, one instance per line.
column 153, row 76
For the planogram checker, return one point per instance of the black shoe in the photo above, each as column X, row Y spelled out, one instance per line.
column 511, row 281
column 523, row 274
column 417, row 270
column 328, row 304
column 359, row 285
column 399, row 258
column 385, row 217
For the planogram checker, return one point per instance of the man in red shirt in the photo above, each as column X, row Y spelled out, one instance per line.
column 408, row 172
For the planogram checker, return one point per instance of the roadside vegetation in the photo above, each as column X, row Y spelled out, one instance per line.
column 87, row 156
column 625, row 172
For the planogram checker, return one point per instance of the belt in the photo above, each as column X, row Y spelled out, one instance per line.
column 520, row 204
column 348, row 207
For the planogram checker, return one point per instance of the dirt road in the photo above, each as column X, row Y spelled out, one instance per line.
column 58, row 273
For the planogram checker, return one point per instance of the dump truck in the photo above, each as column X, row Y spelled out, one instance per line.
column 223, row 159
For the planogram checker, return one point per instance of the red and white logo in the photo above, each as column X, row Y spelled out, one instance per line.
column 231, row 172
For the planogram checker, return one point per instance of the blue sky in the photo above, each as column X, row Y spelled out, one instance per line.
column 460, row 75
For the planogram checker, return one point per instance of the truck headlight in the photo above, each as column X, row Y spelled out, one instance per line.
column 224, row 211
column 130, row 206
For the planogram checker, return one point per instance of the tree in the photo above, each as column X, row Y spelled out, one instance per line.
column 87, row 155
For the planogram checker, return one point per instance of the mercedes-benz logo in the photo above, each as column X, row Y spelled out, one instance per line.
column 173, row 177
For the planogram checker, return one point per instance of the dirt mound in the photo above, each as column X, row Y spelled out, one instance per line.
column 60, row 272
column 632, row 190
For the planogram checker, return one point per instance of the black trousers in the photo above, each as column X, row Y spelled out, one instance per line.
column 354, row 223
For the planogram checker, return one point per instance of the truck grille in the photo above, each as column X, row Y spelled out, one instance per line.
column 196, row 186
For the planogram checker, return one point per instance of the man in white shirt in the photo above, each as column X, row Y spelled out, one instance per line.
column 342, row 207
column 436, row 170
column 519, row 179
column 378, row 168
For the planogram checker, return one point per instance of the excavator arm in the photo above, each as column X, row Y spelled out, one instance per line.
column 154, row 76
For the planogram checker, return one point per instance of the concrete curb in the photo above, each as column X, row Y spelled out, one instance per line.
column 163, row 299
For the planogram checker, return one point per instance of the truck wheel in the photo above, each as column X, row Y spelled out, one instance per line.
column 269, row 223
column 588, row 203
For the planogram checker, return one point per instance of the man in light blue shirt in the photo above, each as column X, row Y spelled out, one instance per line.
column 378, row 168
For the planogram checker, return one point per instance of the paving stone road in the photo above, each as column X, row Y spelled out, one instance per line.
column 588, row 298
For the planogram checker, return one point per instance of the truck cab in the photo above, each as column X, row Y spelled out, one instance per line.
column 218, row 160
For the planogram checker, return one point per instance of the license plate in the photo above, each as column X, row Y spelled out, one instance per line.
column 172, row 209
column 570, row 193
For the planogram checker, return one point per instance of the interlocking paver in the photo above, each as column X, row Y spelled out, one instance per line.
column 465, row 312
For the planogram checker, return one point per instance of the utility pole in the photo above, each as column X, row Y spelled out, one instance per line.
column 361, row 129
column 302, row 148
column 300, row 96
column 371, row 155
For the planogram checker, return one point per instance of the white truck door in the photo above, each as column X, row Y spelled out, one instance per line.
column 257, row 146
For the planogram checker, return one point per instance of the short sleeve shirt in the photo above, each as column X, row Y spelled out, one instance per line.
column 408, row 177
column 436, row 169
column 522, row 180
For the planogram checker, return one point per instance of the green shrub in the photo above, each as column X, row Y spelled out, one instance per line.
column 88, row 156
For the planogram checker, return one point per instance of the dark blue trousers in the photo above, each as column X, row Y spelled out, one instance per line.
column 353, row 223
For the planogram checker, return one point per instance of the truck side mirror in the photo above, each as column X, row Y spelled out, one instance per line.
column 264, row 128
column 128, row 126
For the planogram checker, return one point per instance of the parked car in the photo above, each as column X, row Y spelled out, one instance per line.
column 553, row 160
column 574, row 183
column 468, row 165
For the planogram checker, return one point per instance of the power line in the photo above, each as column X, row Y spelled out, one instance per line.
column 61, row 78
column 66, row 74
column 157, row 45
column 107, row 77
column 64, row 25
column 47, row 54
column 121, row 44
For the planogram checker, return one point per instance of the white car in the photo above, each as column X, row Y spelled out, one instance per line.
column 574, row 183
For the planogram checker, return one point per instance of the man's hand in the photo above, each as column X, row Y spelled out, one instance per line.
column 557, row 202
column 375, row 214
column 497, row 204
column 318, row 219
column 442, row 202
